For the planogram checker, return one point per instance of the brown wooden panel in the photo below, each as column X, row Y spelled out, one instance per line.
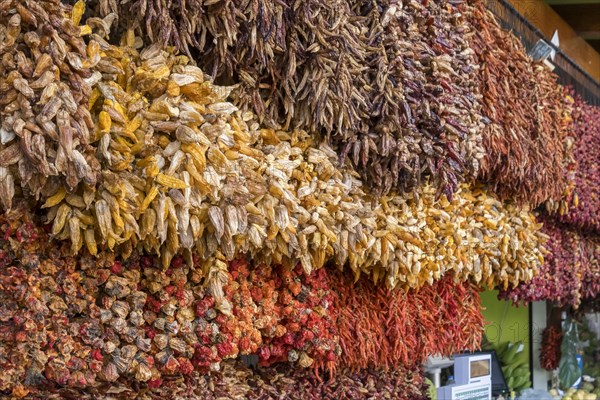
column 583, row 18
column 595, row 44
column 547, row 20
column 561, row 2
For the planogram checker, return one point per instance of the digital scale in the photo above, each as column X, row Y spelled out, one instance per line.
column 473, row 377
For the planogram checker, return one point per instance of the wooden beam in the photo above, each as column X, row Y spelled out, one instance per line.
column 589, row 36
column 571, row 2
column 595, row 44
column 581, row 17
column 542, row 16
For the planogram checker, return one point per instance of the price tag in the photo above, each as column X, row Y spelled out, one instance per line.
column 540, row 51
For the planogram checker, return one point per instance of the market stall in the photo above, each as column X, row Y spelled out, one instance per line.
column 234, row 199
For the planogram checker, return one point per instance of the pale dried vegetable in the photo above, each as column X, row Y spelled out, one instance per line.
column 391, row 84
column 526, row 143
column 183, row 170
column 46, row 129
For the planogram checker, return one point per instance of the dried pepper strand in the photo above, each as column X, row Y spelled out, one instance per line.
column 585, row 210
column 570, row 271
column 45, row 74
column 550, row 350
column 393, row 87
column 235, row 381
column 526, row 143
column 386, row 329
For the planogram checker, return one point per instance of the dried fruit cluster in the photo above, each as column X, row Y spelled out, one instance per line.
column 570, row 272
column 79, row 321
column 550, row 350
column 236, row 381
column 585, row 214
column 46, row 129
column 383, row 329
column 526, row 143
column 183, row 170
column 392, row 85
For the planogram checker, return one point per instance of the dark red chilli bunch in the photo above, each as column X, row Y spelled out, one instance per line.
column 570, row 271
column 550, row 350
column 289, row 311
column 584, row 213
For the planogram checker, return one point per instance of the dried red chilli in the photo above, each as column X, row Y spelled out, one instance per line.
column 526, row 143
column 550, row 349
column 585, row 212
column 384, row 329
column 591, row 278
column 391, row 85
column 570, row 272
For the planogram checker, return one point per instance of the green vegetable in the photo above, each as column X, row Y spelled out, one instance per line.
column 432, row 391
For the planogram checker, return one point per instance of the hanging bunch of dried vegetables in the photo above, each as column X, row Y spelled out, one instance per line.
column 77, row 322
column 391, row 85
column 386, row 329
column 183, row 171
column 90, row 325
column 474, row 237
column 550, row 349
column 45, row 77
column 526, row 143
column 438, row 130
column 239, row 382
column 570, row 272
column 590, row 288
column 585, row 214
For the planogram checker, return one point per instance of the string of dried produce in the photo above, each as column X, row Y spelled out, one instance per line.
column 550, row 350
column 585, row 129
column 526, row 143
column 391, row 85
column 590, row 288
column 383, row 329
column 238, row 382
column 570, row 271
column 76, row 322
column 183, row 171
column 46, row 129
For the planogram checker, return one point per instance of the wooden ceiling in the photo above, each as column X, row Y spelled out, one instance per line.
column 583, row 16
